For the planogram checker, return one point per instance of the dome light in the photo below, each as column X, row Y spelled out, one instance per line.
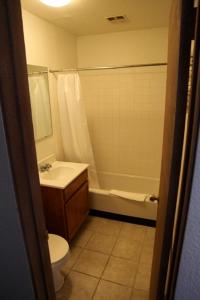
column 56, row 3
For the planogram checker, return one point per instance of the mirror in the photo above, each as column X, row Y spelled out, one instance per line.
column 40, row 101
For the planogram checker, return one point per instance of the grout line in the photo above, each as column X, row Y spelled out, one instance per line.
column 99, row 279
column 118, row 283
column 81, row 272
column 81, row 246
column 95, row 289
column 125, row 258
column 132, row 293
column 76, row 258
column 71, row 268
column 105, row 266
column 110, row 255
column 138, row 266
column 88, row 240
column 97, row 251
column 108, row 260
column 117, row 239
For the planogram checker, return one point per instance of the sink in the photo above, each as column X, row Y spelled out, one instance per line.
column 61, row 174
column 57, row 173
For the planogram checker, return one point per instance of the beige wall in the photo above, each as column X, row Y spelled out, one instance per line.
column 50, row 46
column 130, row 47
column 125, row 108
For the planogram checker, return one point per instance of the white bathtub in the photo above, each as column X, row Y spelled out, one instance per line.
column 102, row 200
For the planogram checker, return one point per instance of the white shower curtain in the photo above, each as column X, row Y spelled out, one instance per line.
column 73, row 121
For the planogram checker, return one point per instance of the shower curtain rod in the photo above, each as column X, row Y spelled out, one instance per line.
column 108, row 68
column 37, row 72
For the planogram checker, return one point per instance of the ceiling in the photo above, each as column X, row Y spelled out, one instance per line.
column 85, row 17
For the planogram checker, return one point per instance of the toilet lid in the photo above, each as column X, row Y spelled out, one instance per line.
column 58, row 247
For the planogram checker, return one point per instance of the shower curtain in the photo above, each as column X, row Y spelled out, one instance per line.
column 40, row 106
column 73, row 121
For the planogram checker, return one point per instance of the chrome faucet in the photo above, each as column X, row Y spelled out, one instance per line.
column 44, row 167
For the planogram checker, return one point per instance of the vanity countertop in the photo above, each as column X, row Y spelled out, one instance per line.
column 61, row 174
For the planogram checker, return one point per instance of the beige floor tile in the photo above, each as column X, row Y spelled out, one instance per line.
column 92, row 223
column 92, row 263
column 151, row 232
column 102, row 243
column 146, row 255
column 133, row 231
column 150, row 237
column 120, row 271
column 111, row 291
column 104, row 226
column 71, row 259
column 140, row 295
column 77, row 286
column 110, row 227
column 143, row 277
column 82, row 237
column 129, row 249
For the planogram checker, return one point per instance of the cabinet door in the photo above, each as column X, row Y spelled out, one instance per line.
column 76, row 210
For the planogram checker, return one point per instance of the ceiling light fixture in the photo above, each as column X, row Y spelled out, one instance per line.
column 56, row 3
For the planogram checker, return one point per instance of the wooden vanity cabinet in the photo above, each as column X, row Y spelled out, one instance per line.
column 66, row 209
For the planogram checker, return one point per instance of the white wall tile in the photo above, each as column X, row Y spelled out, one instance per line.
column 125, row 111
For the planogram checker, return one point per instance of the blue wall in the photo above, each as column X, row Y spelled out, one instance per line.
column 188, row 283
column 15, row 275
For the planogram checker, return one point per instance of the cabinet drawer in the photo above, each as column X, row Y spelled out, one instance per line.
column 76, row 210
column 74, row 186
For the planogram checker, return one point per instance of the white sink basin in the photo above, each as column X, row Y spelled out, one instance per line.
column 57, row 173
column 61, row 174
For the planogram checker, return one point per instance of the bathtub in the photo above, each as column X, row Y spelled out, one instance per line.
column 102, row 200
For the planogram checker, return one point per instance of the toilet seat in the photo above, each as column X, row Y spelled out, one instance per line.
column 58, row 247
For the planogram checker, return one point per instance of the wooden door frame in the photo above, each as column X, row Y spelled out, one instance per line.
column 14, row 99
column 170, row 172
column 15, row 104
column 189, row 163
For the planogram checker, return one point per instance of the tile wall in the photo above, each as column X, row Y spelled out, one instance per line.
column 125, row 110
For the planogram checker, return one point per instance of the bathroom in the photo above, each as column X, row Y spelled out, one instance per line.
column 113, row 58
column 124, row 107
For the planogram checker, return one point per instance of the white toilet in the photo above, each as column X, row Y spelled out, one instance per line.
column 58, row 249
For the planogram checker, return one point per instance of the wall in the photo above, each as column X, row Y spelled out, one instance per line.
column 50, row 46
column 130, row 47
column 125, row 108
column 188, row 282
column 16, row 281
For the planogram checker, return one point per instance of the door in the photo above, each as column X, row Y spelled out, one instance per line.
column 17, row 124
column 181, row 30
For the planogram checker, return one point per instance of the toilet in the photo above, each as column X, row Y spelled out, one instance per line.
column 58, row 249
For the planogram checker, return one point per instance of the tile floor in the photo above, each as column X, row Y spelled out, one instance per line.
column 109, row 260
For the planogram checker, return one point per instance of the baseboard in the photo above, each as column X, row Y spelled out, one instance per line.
column 123, row 218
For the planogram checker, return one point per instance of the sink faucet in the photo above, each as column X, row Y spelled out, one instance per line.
column 45, row 167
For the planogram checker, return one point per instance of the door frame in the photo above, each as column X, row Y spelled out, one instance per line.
column 189, row 162
column 16, row 111
column 161, row 286
column 15, row 102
